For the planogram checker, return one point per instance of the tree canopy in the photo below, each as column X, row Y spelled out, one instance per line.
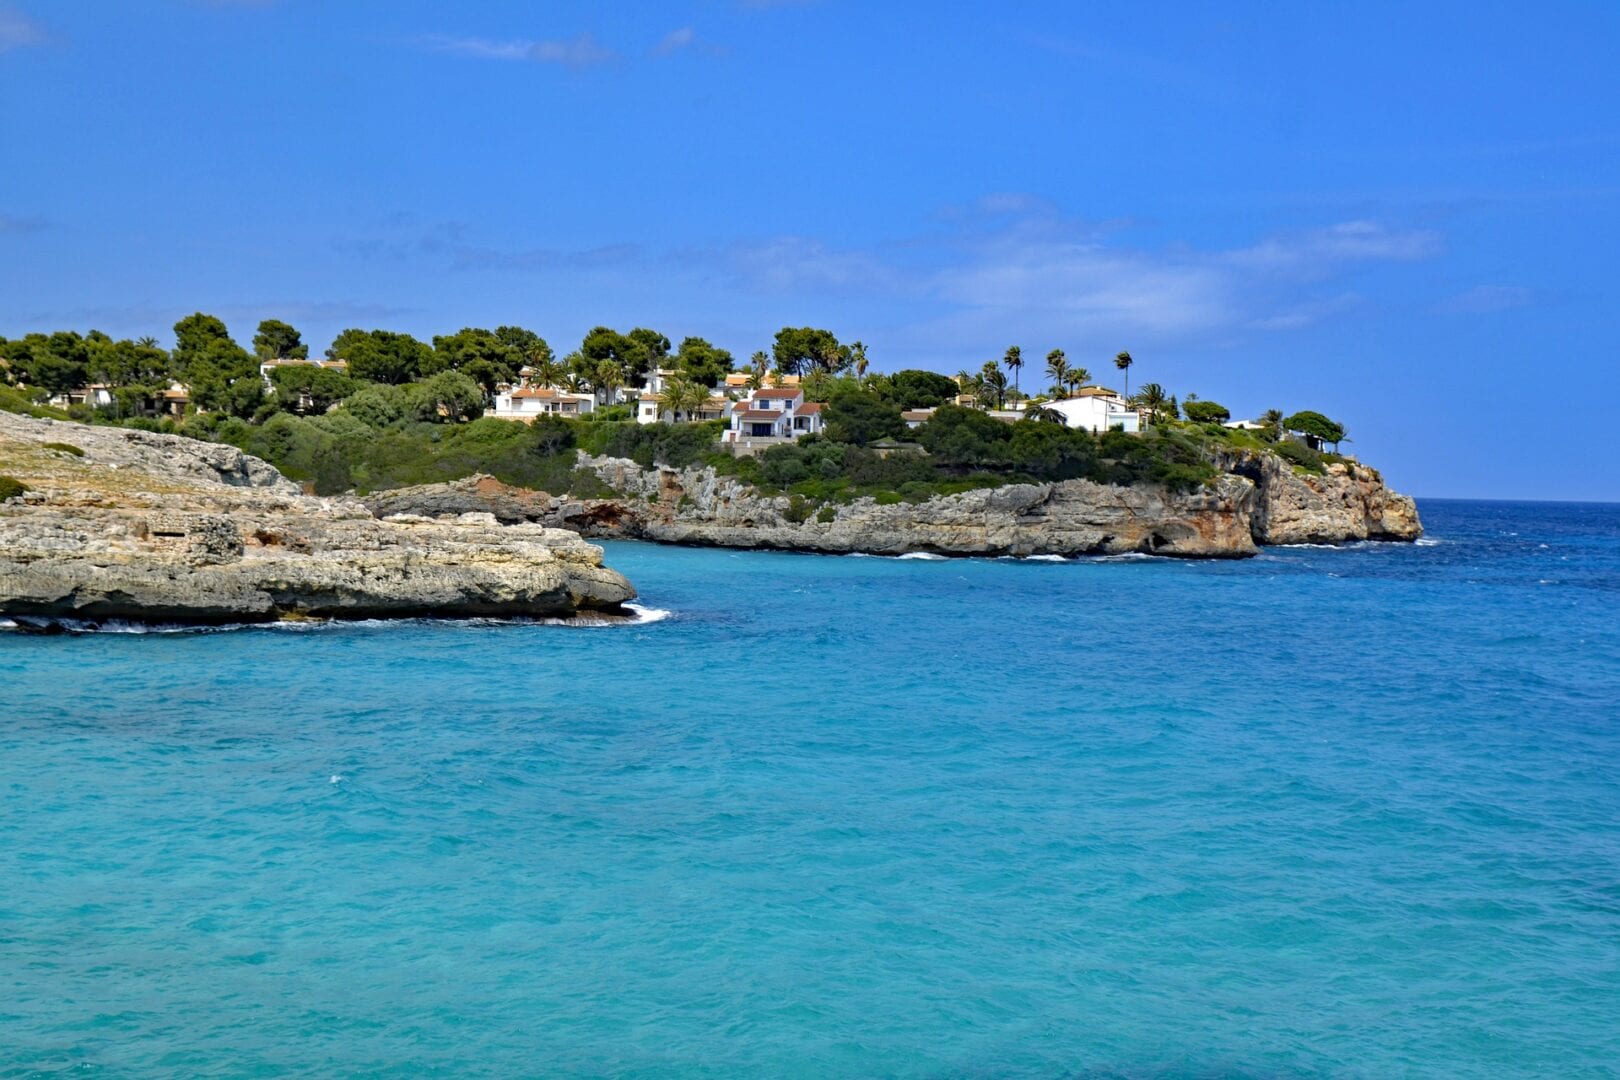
column 277, row 340
column 805, row 348
column 702, row 362
column 914, row 388
column 1206, row 412
column 382, row 356
column 1309, row 422
column 488, row 357
column 861, row 418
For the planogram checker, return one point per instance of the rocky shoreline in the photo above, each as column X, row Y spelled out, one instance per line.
column 128, row 525
column 1259, row 500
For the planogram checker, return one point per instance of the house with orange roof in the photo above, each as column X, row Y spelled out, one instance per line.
column 525, row 403
column 772, row 415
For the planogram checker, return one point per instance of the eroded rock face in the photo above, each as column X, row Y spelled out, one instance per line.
column 696, row 506
column 162, row 528
column 1260, row 500
column 1349, row 502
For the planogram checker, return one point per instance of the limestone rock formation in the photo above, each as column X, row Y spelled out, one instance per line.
column 161, row 528
column 1259, row 500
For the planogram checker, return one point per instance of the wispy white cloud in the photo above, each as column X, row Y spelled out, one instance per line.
column 686, row 39
column 789, row 264
column 17, row 30
column 1486, row 299
column 675, row 41
column 1319, row 250
column 575, row 53
column 1012, row 261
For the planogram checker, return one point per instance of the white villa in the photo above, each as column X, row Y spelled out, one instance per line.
column 650, row 409
column 771, row 416
column 1096, row 408
column 525, row 403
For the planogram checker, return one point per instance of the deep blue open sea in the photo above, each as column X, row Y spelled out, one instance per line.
column 1328, row 812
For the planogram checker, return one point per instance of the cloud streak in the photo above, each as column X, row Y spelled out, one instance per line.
column 1012, row 261
column 576, row 54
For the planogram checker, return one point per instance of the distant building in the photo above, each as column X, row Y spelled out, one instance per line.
column 525, row 403
column 738, row 380
column 915, row 418
column 650, row 409
column 1097, row 408
column 267, row 366
column 772, row 416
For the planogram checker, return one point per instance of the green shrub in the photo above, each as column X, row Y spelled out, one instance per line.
column 826, row 514
column 1299, row 455
column 1206, row 412
column 11, row 487
column 17, row 401
column 798, row 510
column 66, row 448
column 585, row 484
column 889, row 498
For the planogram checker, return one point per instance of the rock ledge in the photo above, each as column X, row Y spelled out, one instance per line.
column 159, row 528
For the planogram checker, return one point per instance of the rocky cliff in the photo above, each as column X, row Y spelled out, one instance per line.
column 124, row 524
column 1259, row 500
column 1349, row 502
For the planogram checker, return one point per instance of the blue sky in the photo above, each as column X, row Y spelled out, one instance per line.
column 1403, row 215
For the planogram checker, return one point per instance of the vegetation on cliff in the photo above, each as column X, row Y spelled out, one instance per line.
column 402, row 412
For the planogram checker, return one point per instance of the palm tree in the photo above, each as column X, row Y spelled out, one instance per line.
column 1152, row 400
column 683, row 395
column 1123, row 361
column 1014, row 361
column 543, row 361
column 146, row 342
column 1078, row 377
column 546, row 368
column 756, row 374
column 992, row 384
column 1057, row 368
column 1273, row 419
column 609, row 377
column 1045, row 414
column 857, row 353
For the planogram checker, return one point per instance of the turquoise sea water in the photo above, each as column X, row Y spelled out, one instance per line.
column 1347, row 812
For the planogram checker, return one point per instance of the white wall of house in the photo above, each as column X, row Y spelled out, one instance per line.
column 525, row 405
column 1095, row 413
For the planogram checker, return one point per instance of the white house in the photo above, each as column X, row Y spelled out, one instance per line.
column 777, row 414
column 650, row 409
column 1097, row 409
column 525, row 403
column 96, row 395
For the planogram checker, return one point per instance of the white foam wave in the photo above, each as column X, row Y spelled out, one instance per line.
column 646, row 615
column 1427, row 541
column 641, row 616
column 928, row 556
column 1046, row 558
